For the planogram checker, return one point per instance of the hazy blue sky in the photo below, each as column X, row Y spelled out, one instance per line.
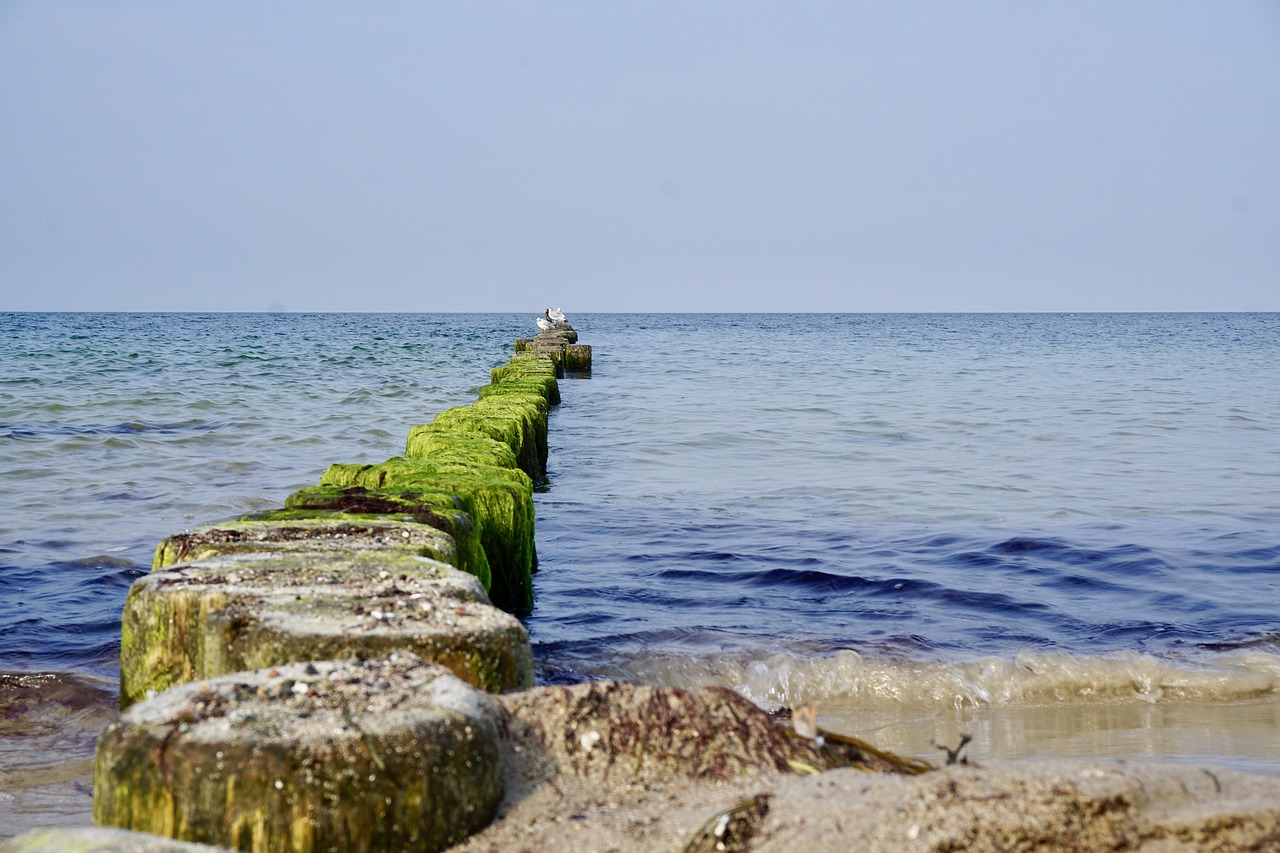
column 608, row 156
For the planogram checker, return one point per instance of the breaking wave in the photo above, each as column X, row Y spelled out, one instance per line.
column 779, row 679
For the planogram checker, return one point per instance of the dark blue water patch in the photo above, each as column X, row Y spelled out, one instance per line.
column 1268, row 641
column 39, row 430
column 64, row 615
column 1078, row 582
column 1264, row 559
column 125, row 496
column 1047, row 549
column 618, row 584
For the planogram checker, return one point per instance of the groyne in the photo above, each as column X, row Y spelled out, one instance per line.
column 239, row 729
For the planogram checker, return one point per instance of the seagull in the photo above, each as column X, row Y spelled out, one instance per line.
column 556, row 316
column 544, row 324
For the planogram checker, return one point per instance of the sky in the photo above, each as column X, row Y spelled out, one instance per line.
column 1067, row 155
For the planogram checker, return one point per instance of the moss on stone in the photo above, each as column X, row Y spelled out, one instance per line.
column 240, row 537
column 357, row 499
column 232, row 613
column 468, row 439
column 165, row 638
column 560, row 333
column 499, row 500
column 374, row 755
column 532, row 363
column 517, row 420
column 468, row 549
column 435, row 509
column 529, row 367
column 577, row 358
column 552, row 351
column 484, row 646
column 545, row 387
column 534, row 387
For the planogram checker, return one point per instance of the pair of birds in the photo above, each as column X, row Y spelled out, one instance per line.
column 549, row 318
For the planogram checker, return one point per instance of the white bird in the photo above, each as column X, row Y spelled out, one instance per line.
column 544, row 324
column 555, row 315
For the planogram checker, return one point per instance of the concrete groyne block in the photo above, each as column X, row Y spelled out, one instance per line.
column 561, row 333
column 309, row 534
column 358, row 755
column 560, row 345
column 357, row 504
column 249, row 611
column 499, row 500
column 577, row 358
column 554, row 351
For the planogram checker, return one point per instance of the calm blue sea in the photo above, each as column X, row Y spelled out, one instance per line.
column 938, row 512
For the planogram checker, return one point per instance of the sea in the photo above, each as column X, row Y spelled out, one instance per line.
column 1048, row 534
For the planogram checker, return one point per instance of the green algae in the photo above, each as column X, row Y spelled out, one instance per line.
column 517, row 386
column 472, row 439
column 552, row 351
column 517, row 419
column 435, row 509
column 358, row 499
column 560, row 333
column 230, row 614
column 165, row 635
column 524, row 364
column 499, row 500
column 546, row 387
column 528, row 363
column 577, row 358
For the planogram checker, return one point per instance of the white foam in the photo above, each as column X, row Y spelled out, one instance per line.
column 780, row 679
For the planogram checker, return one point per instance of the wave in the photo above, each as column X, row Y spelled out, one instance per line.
column 851, row 679
column 40, row 430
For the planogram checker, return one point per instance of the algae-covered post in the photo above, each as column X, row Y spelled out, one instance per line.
column 245, row 611
column 498, row 499
column 380, row 754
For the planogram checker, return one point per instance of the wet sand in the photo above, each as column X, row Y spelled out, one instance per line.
column 49, row 726
column 1240, row 735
